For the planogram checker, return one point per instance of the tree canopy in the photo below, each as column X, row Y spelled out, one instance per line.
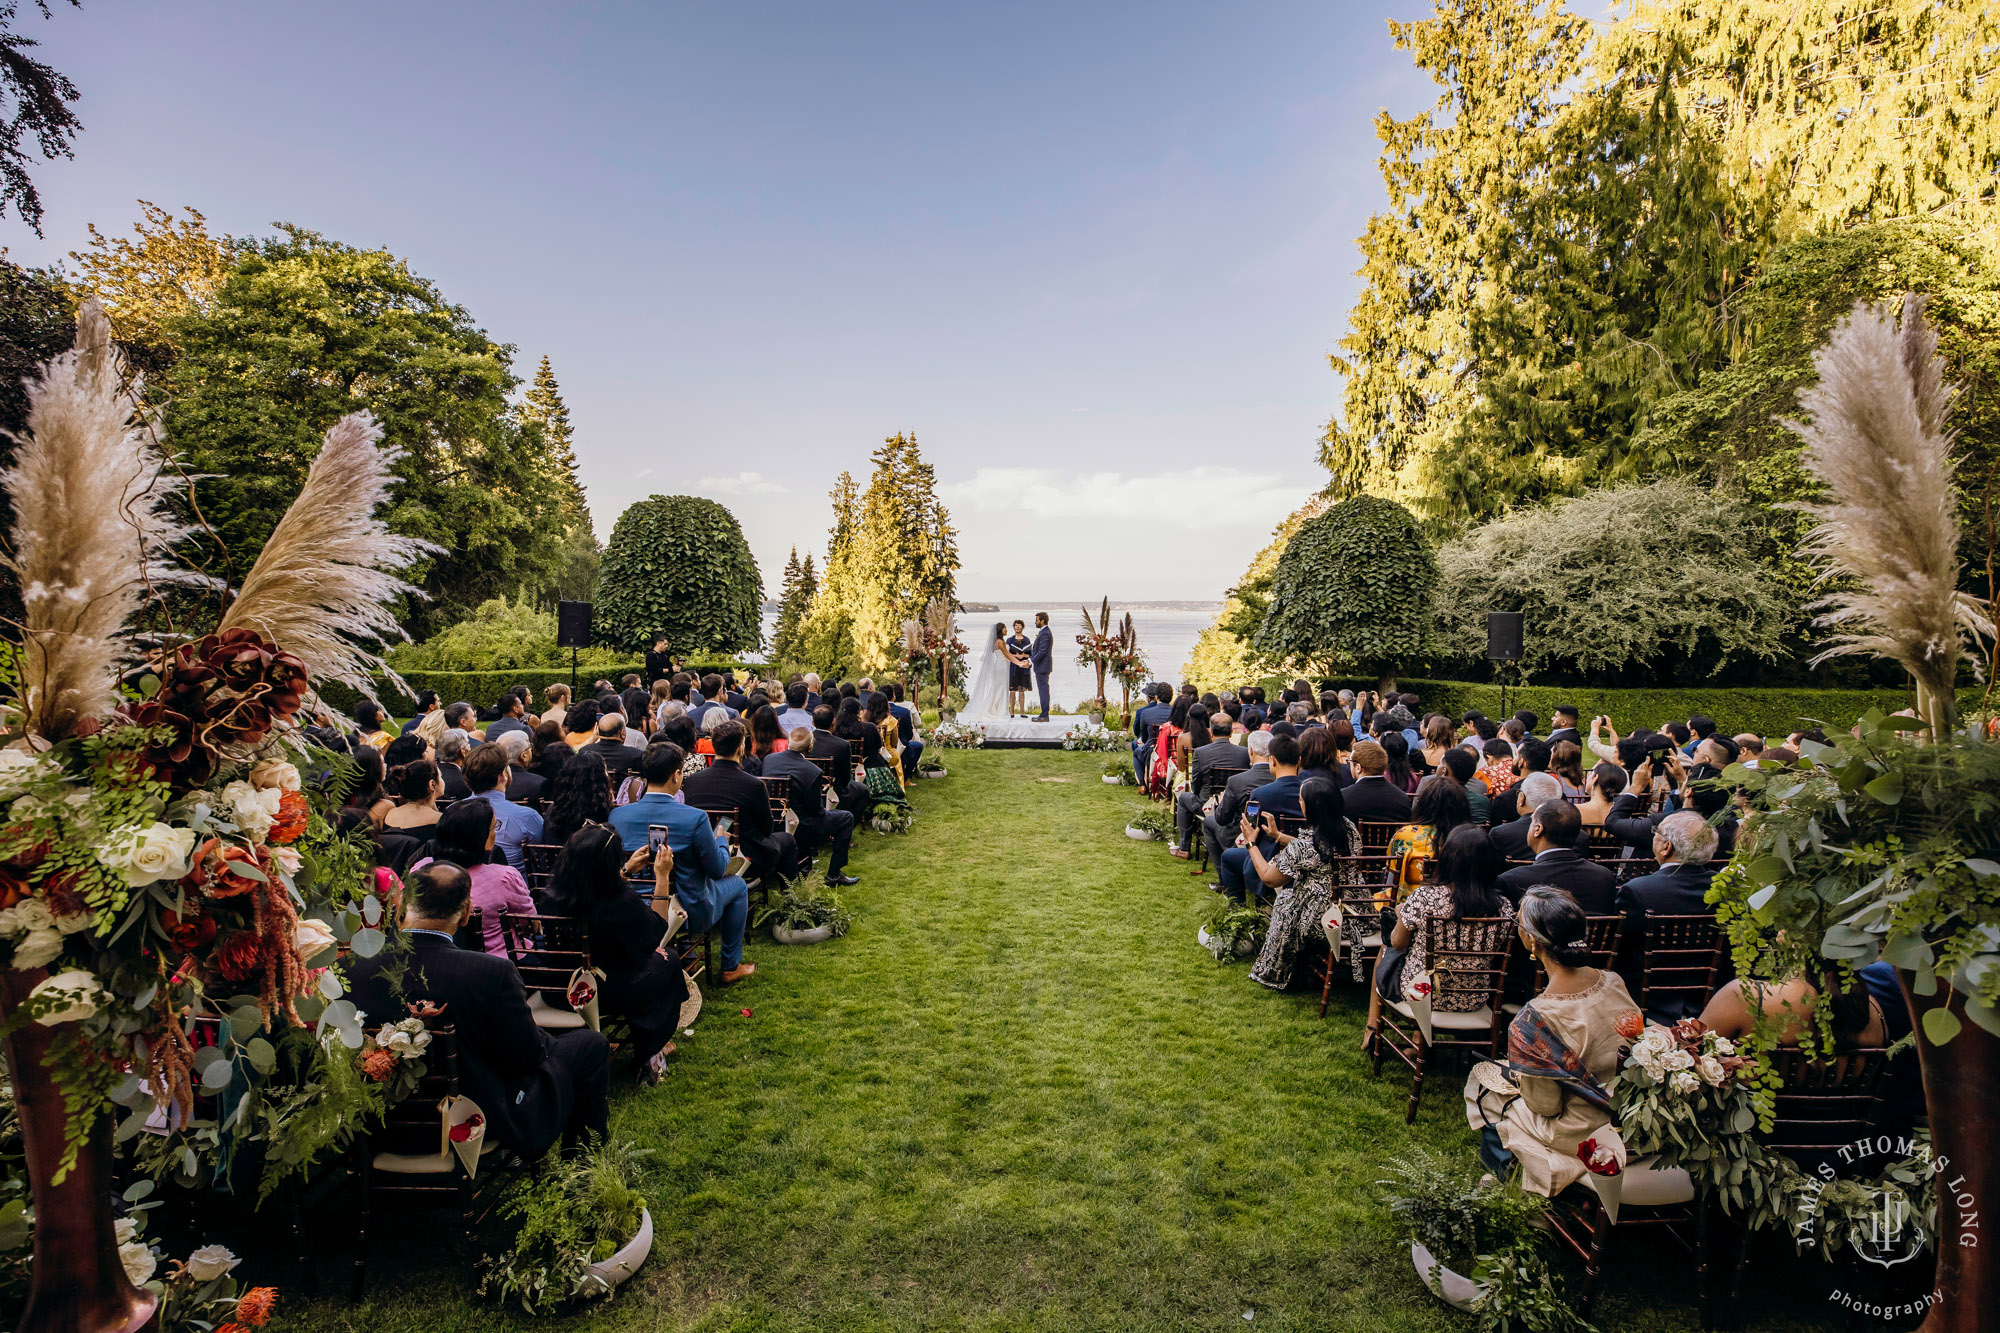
column 305, row 330
column 1353, row 588
column 678, row 565
column 575, row 572
column 34, row 104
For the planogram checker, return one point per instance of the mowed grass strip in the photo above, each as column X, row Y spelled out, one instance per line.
column 1019, row 1096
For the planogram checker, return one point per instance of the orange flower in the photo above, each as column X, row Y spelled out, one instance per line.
column 378, row 1064
column 293, row 815
column 255, row 1305
column 1631, row 1024
column 212, row 874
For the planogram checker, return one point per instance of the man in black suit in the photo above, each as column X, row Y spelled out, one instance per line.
column 523, row 785
column 1146, row 724
column 1219, row 829
column 818, row 826
column 619, row 758
column 1553, row 829
column 533, row 1086
column 1530, row 793
column 1563, row 726
column 1041, row 660
column 451, row 751
column 1685, row 846
column 852, row 795
column 1214, row 764
column 723, row 786
column 1372, row 796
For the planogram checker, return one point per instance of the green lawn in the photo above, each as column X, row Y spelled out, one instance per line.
column 1020, row 1096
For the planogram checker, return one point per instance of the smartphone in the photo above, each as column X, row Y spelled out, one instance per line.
column 656, row 838
column 1250, row 811
column 724, row 824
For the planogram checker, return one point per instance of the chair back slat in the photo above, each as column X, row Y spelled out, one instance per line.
column 1631, row 868
column 1602, row 843
column 411, row 1125
column 778, row 791
column 1375, row 834
column 538, row 860
column 825, row 762
column 1468, row 959
column 1600, row 936
column 546, row 950
column 1824, row 1104
column 1682, row 957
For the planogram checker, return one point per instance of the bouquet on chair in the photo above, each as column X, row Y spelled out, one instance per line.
column 1684, row 1096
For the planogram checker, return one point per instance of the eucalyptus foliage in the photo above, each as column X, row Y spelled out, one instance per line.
column 678, row 566
column 1652, row 579
column 1353, row 587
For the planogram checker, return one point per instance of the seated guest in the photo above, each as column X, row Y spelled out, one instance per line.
column 1308, row 874
column 796, row 713
column 407, row 749
column 368, row 717
column 853, row 796
column 427, row 703
column 1372, row 797
column 524, row 784
column 1317, row 757
column 1511, row 837
column 1685, row 846
column 1397, row 771
column 580, row 725
column 1439, row 808
column 619, row 758
column 1464, row 769
column 1279, row 796
column 887, row 752
column 486, row 773
column 1533, row 757
column 1566, row 764
column 725, row 788
column 1235, row 793
column 906, row 726
column 533, row 1086
column 765, row 738
column 1439, row 736
column 1563, row 1050
column 1602, row 785
column 1212, row 763
column 367, row 803
column 1497, row 768
column 452, row 748
column 581, row 794
column 558, row 696
column 1552, row 833
column 1562, row 727
column 1467, row 887
column 715, row 900
column 818, row 826
column 637, row 705
column 464, row 837
column 1857, row 1018
column 675, row 727
column 509, row 714
column 640, row 984
column 418, row 787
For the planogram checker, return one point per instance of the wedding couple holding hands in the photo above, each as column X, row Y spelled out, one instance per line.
column 1000, row 690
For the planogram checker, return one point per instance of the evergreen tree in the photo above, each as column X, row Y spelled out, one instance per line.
column 543, row 408
column 826, row 638
column 800, row 585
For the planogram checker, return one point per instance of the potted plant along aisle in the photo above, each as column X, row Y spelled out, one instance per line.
column 1232, row 930
column 803, row 914
column 581, row 1228
column 1150, row 823
column 1884, row 844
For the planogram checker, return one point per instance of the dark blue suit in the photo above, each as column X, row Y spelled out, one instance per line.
column 1280, row 796
column 1042, row 658
column 1146, row 725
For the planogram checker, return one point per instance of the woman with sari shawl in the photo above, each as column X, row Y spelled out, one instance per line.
column 1563, row 1049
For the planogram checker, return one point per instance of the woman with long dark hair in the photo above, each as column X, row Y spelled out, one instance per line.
column 1467, row 886
column 464, row 837
column 1397, row 746
column 1309, row 873
column 581, row 794
column 640, row 984
column 368, row 717
column 765, row 738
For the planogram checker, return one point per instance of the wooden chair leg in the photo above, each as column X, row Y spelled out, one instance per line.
column 1701, row 1275
column 1593, row 1263
column 1326, row 981
column 1422, row 1063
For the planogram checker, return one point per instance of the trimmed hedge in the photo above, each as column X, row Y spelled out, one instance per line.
column 481, row 688
column 1767, row 712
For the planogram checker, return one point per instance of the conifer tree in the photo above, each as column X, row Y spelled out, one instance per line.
column 826, row 638
column 577, row 566
column 800, row 585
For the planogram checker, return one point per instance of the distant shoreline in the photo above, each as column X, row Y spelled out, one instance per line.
column 1054, row 607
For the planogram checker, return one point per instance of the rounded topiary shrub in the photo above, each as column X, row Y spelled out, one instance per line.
column 678, row 565
column 1353, row 587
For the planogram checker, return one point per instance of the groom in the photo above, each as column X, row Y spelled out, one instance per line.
column 1040, row 657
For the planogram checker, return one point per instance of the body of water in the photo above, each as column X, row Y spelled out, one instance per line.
column 1166, row 635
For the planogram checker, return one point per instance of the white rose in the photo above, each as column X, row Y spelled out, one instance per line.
column 124, row 1229
column 1710, row 1070
column 1724, row 1046
column 137, row 1257
column 38, row 948
column 1685, row 1083
column 275, row 775
column 74, row 922
column 35, row 914
column 312, row 936
column 19, row 770
column 77, row 990
column 160, row 852
column 1679, row 1059
column 287, row 860
column 10, row 923
column 211, row 1262
column 251, row 810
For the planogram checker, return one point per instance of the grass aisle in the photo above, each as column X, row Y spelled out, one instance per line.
column 1018, row 1096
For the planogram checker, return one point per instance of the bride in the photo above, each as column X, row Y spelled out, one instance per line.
column 988, row 700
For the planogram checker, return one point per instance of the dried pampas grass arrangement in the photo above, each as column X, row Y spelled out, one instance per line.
column 1876, row 437
column 326, row 581
column 93, row 531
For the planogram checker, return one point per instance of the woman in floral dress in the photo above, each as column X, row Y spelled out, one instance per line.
column 1309, row 873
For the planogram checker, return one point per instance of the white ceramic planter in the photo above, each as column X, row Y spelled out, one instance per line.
column 1447, row 1286
column 1112, row 781
column 603, row 1277
column 934, row 773
column 1244, row 948
column 1140, row 834
column 811, row 935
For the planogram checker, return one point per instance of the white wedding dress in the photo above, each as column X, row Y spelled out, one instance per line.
column 987, row 704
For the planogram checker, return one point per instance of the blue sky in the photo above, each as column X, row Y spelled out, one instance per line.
column 1093, row 255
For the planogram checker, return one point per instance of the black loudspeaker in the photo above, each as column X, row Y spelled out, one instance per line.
column 573, row 625
column 1503, row 636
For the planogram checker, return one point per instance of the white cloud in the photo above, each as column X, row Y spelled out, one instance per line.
column 743, row 483
column 1198, row 498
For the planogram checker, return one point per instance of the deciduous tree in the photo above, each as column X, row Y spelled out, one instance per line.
column 677, row 565
column 1353, row 588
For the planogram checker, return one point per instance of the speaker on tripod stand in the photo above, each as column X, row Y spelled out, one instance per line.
column 1503, row 645
column 572, row 632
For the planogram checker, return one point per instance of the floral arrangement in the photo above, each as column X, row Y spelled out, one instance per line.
column 1684, row 1094
column 572, row 1213
column 173, row 891
column 932, row 642
column 1094, row 736
column 956, row 736
column 1103, row 644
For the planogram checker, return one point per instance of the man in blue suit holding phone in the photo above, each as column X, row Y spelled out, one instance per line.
column 1042, row 658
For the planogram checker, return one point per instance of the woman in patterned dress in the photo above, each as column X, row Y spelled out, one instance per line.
column 1309, row 873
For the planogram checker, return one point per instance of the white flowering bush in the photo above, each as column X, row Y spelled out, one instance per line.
column 955, row 735
column 1093, row 736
